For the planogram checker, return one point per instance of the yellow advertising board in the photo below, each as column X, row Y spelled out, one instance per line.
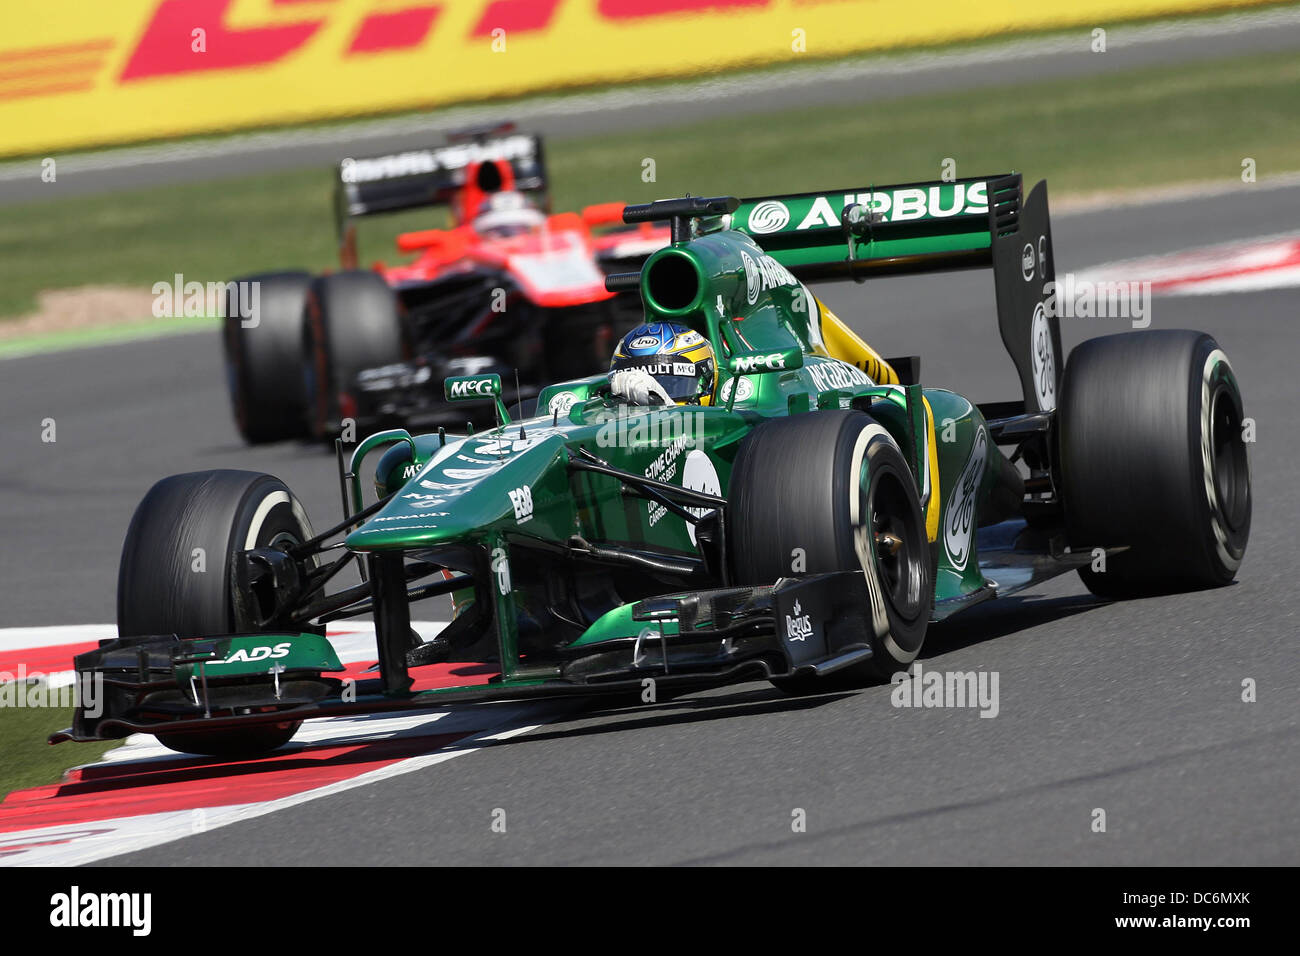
column 77, row 73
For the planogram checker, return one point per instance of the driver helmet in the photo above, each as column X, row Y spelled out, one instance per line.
column 507, row 214
column 680, row 359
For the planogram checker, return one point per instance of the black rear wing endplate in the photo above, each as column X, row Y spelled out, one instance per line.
column 1024, row 277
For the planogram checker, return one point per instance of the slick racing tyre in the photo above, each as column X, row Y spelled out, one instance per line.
column 351, row 324
column 177, row 574
column 834, row 486
column 262, row 339
column 1153, row 457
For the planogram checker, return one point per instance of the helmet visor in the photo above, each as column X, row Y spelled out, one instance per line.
column 681, row 380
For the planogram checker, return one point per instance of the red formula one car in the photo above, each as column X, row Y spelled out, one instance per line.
column 510, row 288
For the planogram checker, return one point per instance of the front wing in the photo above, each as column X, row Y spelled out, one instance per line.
column 810, row 625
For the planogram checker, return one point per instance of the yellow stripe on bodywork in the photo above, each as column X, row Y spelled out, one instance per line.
column 844, row 344
column 932, row 453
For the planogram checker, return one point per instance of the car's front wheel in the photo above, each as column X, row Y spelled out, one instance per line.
column 830, row 491
column 177, row 575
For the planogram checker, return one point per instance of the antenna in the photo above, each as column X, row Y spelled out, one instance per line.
column 519, row 403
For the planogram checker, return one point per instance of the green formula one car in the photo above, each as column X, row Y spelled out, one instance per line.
column 802, row 518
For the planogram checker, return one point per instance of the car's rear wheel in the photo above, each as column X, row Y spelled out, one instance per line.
column 351, row 324
column 177, row 574
column 831, row 491
column 262, row 340
column 1153, row 457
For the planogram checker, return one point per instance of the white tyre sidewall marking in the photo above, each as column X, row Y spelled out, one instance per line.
column 879, row 614
column 264, row 508
column 259, row 516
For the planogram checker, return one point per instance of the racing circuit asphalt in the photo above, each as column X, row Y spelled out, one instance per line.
column 1134, row 708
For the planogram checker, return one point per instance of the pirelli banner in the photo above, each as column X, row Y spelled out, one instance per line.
column 76, row 73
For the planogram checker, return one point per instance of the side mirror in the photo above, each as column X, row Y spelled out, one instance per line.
column 476, row 388
column 470, row 388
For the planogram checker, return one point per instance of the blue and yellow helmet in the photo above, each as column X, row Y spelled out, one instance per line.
column 680, row 359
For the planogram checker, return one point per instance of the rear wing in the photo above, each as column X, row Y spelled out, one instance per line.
column 929, row 227
column 432, row 177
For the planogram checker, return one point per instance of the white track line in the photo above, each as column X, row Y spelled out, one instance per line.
column 1241, row 265
column 353, row 642
column 345, row 636
column 31, row 638
column 76, row 844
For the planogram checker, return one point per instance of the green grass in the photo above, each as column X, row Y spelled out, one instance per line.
column 1134, row 129
column 26, row 760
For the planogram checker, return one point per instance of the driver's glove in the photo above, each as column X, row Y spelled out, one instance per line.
column 636, row 386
